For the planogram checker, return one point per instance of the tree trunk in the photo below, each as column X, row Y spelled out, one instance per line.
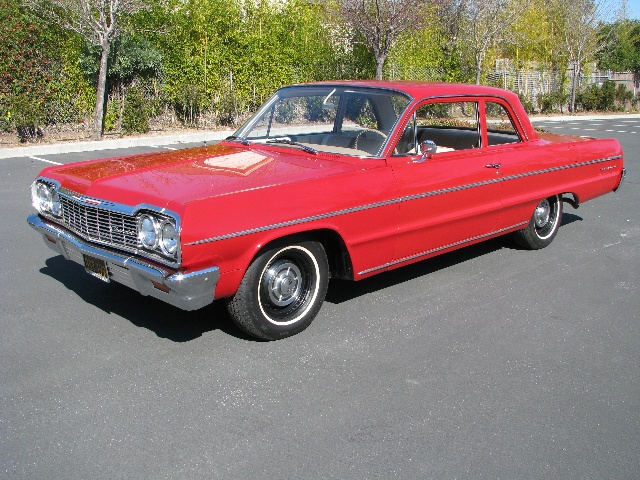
column 479, row 60
column 574, row 87
column 98, row 111
column 379, row 64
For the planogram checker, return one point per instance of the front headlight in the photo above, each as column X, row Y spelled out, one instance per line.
column 169, row 238
column 45, row 199
column 158, row 233
column 148, row 231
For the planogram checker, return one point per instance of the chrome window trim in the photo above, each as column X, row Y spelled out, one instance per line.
column 392, row 201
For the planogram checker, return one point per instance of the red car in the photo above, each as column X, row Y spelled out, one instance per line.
column 327, row 180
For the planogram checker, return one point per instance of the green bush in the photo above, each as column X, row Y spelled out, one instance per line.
column 588, row 98
column 135, row 117
column 608, row 97
column 553, row 101
column 527, row 103
column 623, row 96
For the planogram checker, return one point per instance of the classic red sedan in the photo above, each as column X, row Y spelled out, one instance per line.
column 327, row 180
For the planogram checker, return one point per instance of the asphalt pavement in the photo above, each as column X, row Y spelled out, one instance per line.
column 488, row 362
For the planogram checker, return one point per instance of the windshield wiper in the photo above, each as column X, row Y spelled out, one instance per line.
column 234, row 138
column 288, row 141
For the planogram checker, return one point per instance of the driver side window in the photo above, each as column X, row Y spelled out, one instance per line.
column 450, row 125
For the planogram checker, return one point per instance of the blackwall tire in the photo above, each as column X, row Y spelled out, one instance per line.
column 543, row 226
column 282, row 291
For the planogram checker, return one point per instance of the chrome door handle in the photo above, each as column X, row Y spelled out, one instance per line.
column 493, row 165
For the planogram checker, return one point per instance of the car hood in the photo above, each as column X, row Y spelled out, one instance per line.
column 179, row 177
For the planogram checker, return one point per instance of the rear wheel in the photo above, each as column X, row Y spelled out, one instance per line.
column 543, row 226
column 281, row 291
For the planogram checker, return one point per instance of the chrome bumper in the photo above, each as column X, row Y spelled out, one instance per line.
column 624, row 174
column 188, row 291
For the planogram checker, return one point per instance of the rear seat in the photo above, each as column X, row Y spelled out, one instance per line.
column 450, row 137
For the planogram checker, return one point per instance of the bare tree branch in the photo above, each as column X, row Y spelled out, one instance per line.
column 381, row 22
column 487, row 22
column 582, row 21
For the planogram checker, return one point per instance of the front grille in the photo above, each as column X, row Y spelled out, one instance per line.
column 100, row 225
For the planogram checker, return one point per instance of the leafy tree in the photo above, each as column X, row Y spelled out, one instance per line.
column 228, row 56
column 98, row 22
column 130, row 58
column 425, row 53
column 622, row 52
column 535, row 36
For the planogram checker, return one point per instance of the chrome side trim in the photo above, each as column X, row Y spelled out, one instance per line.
column 189, row 291
column 439, row 249
column 392, row 201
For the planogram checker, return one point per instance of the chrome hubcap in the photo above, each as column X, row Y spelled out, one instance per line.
column 542, row 213
column 283, row 282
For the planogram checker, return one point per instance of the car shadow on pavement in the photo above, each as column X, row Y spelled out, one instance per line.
column 164, row 320
column 177, row 325
column 343, row 290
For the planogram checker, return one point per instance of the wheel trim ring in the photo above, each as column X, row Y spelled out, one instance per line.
column 547, row 211
column 308, row 297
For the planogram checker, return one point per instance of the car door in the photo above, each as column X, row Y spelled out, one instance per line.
column 452, row 198
column 517, row 163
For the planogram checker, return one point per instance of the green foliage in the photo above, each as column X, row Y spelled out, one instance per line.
column 112, row 115
column 26, row 68
column 39, row 81
column 188, row 102
column 427, row 54
column 553, row 102
column 527, row 103
column 608, row 97
column 135, row 117
column 227, row 57
column 218, row 60
column 622, row 50
column 130, row 58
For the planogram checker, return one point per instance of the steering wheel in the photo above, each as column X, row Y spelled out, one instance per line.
column 366, row 130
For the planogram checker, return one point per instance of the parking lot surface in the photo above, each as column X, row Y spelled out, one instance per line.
column 488, row 362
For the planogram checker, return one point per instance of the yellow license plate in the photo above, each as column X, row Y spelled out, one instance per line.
column 96, row 267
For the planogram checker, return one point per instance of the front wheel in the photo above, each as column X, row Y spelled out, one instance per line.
column 543, row 226
column 281, row 291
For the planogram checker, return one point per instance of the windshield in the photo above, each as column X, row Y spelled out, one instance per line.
column 334, row 119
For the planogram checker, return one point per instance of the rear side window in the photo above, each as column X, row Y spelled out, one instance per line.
column 500, row 126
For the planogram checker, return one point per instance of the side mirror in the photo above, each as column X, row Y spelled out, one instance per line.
column 427, row 149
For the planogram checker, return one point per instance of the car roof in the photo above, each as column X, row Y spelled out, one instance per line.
column 420, row 89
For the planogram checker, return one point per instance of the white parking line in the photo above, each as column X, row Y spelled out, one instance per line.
column 45, row 160
column 162, row 146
